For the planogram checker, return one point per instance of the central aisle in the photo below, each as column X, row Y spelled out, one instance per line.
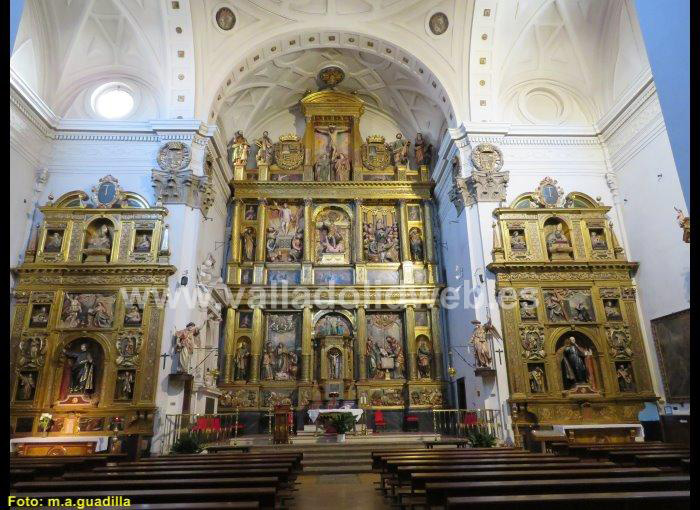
column 339, row 492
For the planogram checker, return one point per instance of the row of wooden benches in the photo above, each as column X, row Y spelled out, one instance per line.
column 215, row 481
column 509, row 478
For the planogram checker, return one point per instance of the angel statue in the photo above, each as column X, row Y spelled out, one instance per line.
column 184, row 346
column 480, row 341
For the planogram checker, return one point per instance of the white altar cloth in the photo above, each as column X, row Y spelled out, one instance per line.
column 314, row 413
column 100, row 441
column 640, row 430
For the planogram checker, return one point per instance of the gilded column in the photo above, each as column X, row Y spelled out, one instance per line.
column 306, row 345
column 428, row 228
column 359, row 252
column 357, row 150
column 411, row 341
column 403, row 231
column 236, row 230
column 230, row 342
column 256, row 348
column 308, row 228
column 436, row 341
column 260, row 246
column 361, row 344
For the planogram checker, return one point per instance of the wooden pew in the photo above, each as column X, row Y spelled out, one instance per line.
column 646, row 500
column 383, row 461
column 376, row 456
column 459, row 443
column 661, row 459
column 218, row 465
column 135, row 484
column 437, row 493
column 285, row 475
column 629, row 456
column 295, row 459
column 227, row 448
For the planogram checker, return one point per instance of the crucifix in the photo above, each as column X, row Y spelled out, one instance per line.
column 499, row 351
column 164, row 355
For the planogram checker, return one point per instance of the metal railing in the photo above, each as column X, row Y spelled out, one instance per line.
column 457, row 422
column 206, row 428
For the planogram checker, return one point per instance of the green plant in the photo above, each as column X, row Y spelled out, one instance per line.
column 342, row 422
column 480, row 437
column 186, row 443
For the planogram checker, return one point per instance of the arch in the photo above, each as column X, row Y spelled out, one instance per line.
column 586, row 339
column 78, row 198
column 332, row 234
column 580, row 200
column 346, row 314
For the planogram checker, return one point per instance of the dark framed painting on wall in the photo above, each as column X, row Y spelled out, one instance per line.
column 672, row 340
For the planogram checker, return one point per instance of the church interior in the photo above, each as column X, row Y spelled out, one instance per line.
column 379, row 253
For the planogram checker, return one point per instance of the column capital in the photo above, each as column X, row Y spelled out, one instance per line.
column 262, row 201
column 402, row 201
column 308, row 201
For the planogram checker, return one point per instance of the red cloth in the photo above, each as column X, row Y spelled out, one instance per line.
column 379, row 418
column 470, row 418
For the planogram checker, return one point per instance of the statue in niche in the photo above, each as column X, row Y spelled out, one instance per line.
column 40, row 317
column 558, row 244
column 248, row 244
column 322, row 168
column 581, row 313
column 82, row 370
column 142, row 243
column 612, row 311
column 334, row 364
column 381, row 240
column 517, row 241
column 240, row 149
column 575, row 369
column 399, row 150
column 286, row 217
column 624, row 377
column 266, row 371
column 125, row 385
column 372, row 353
column 184, row 346
column 100, row 239
column 54, row 242
column 416, row 244
column 528, row 310
column 341, row 165
column 128, row 347
column 536, row 377
column 598, row 241
column 424, row 355
column 480, row 341
column 240, row 369
column 265, row 150
column 331, row 132
column 420, row 149
column 26, row 385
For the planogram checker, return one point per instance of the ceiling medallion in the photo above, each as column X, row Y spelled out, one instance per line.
column 438, row 23
column 331, row 75
column 174, row 156
column 225, row 19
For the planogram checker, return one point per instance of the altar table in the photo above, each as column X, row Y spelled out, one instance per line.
column 314, row 413
column 58, row 445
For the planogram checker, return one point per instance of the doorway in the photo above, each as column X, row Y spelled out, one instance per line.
column 461, row 393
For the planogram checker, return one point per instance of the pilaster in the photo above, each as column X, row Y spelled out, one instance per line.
column 308, row 228
column 306, row 347
column 256, row 346
column 260, row 246
column 230, row 342
column 411, row 341
column 361, row 341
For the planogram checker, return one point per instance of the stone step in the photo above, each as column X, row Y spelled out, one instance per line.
column 336, row 470
column 338, row 461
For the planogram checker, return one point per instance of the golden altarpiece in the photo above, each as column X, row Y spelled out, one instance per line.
column 87, row 325
column 573, row 342
column 333, row 263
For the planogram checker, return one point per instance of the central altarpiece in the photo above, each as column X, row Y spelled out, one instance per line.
column 332, row 269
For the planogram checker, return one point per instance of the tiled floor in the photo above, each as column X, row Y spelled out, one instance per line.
column 339, row 492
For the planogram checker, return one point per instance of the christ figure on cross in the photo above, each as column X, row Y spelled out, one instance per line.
column 332, row 133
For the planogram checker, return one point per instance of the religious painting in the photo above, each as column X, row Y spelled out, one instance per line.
column 332, row 236
column 39, row 318
column 281, row 355
column 142, row 241
column 537, row 378
column 415, row 243
column 26, row 385
column 251, row 212
column 283, row 277
column 128, row 348
column 383, row 276
column 246, row 276
column 333, row 276
column 419, row 276
column 248, row 244
column 421, row 318
column 384, row 350
column 672, row 339
column 413, row 212
column 284, row 236
column 598, row 241
column 245, row 319
column 380, row 234
column 225, row 19
column 133, row 316
column 625, row 376
column 569, row 305
column 82, row 372
column 124, row 388
column 88, row 310
column 332, row 324
column 54, row 240
column 88, row 424
column 612, row 310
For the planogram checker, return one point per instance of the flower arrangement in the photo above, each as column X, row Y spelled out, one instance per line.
column 45, row 421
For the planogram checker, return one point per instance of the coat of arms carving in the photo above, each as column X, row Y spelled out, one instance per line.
column 174, row 156
column 487, row 157
column 289, row 152
column 375, row 153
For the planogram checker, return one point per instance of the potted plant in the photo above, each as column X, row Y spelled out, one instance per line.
column 480, row 437
column 45, row 422
column 342, row 423
column 186, row 443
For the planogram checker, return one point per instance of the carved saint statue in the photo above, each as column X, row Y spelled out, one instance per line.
column 125, row 390
column 416, row 244
column 265, row 150
column 26, row 385
column 372, row 354
column 558, row 244
column 330, row 240
column 240, row 370
column 581, row 313
column 611, row 311
column 399, row 150
column 598, row 241
column 82, row 379
column 341, row 165
column 240, row 149
column 334, row 364
column 536, row 380
column 248, row 245
column 266, row 371
column 322, row 168
column 624, row 377
column 420, row 149
column 100, row 240
column 517, row 241
column 184, row 346
column 53, row 242
column 424, row 359
column 142, row 243
column 480, row 341
column 573, row 364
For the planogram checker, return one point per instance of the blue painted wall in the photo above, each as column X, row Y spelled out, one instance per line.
column 16, row 7
column 666, row 30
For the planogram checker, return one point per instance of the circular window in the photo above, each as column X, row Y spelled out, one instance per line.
column 113, row 101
